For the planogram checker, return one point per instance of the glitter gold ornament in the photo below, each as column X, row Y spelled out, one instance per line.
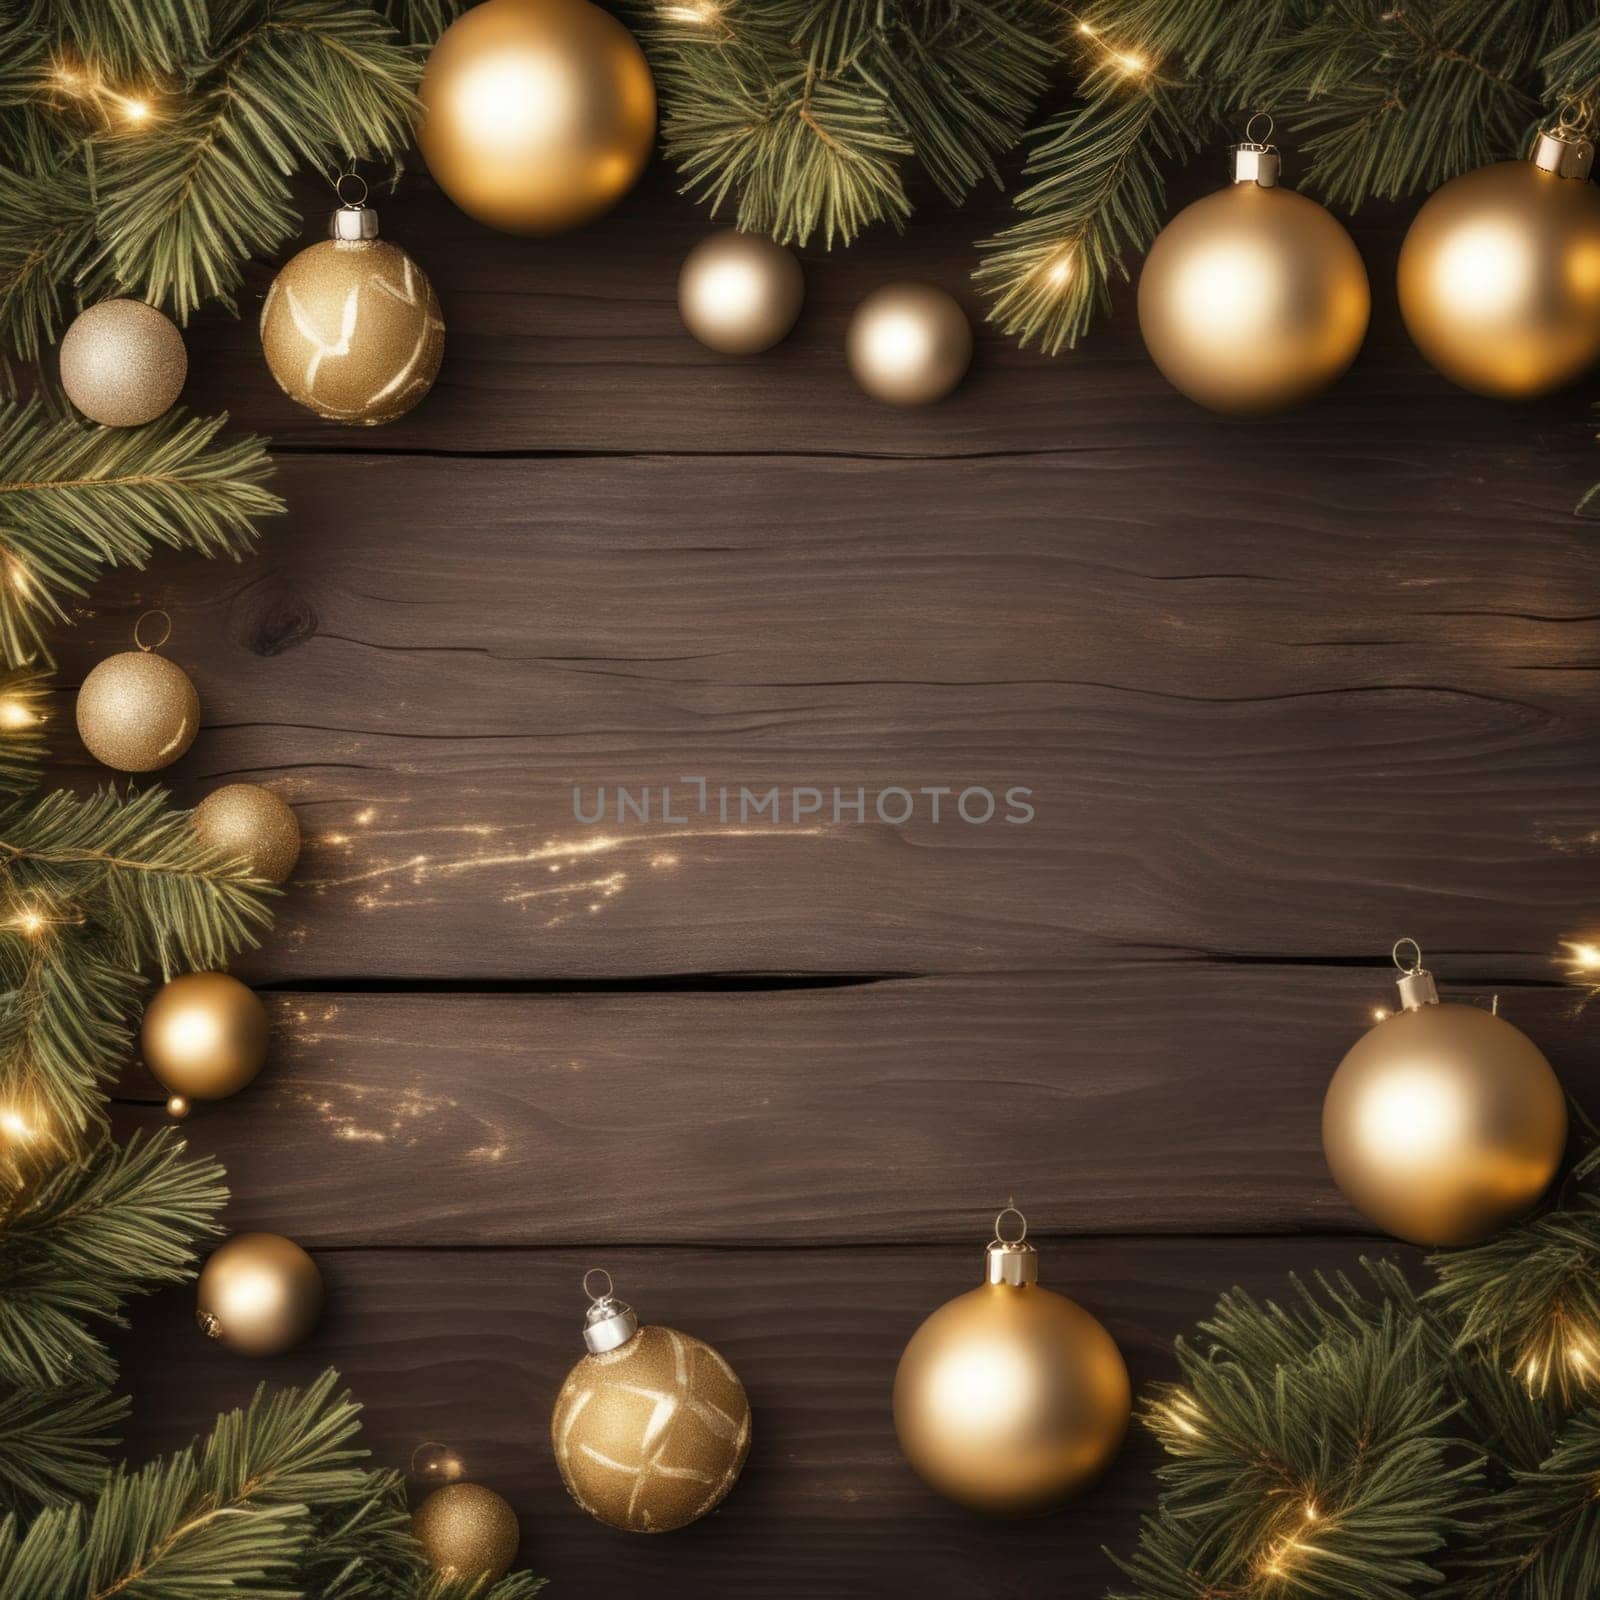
column 259, row 1294
column 739, row 292
column 137, row 711
column 1010, row 1398
column 1254, row 298
column 467, row 1531
column 204, row 1036
column 122, row 363
column 908, row 344
column 652, row 1427
column 244, row 822
column 538, row 114
column 351, row 327
column 1443, row 1123
column 1500, row 272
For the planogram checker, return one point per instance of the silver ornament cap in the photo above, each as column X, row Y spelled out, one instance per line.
column 609, row 1323
column 1565, row 154
column 353, row 223
column 1415, row 983
column 1013, row 1262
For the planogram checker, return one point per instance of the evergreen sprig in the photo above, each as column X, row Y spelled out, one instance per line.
column 75, row 499
column 92, row 891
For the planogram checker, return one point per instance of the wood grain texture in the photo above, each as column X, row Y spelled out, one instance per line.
column 470, row 1348
column 1332, row 687
column 1112, row 1099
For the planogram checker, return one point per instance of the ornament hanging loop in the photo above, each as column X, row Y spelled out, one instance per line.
column 609, row 1322
column 138, row 630
column 351, row 177
column 1265, row 138
column 597, row 1295
column 999, row 1227
column 1254, row 160
column 1416, row 985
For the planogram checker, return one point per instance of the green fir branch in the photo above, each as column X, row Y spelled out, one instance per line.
column 76, row 498
column 53, row 1443
column 119, row 1221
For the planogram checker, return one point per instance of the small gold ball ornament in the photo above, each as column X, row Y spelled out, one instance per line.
column 138, row 711
column 1443, row 1123
column 1010, row 1399
column 123, row 363
column 244, row 822
column 351, row 327
column 739, row 292
column 1500, row 273
column 652, row 1427
column 908, row 344
column 204, row 1036
column 538, row 114
column 467, row 1531
column 259, row 1294
column 178, row 1107
column 1255, row 298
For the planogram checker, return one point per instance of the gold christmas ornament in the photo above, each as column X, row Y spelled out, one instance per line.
column 1443, row 1123
column 137, row 711
column 351, row 327
column 178, row 1107
column 467, row 1531
column 652, row 1427
column 244, row 822
column 739, row 292
column 1254, row 298
column 1500, row 272
column 259, row 1294
column 123, row 363
column 538, row 114
column 908, row 344
column 204, row 1036
column 433, row 1463
column 1010, row 1399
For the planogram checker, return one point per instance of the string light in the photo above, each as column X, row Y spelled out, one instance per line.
column 111, row 102
column 1380, row 1015
column 14, row 714
column 1583, row 957
column 1129, row 63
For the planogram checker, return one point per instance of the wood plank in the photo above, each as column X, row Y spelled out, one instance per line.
column 1305, row 711
column 469, row 1349
column 573, row 343
column 1128, row 1097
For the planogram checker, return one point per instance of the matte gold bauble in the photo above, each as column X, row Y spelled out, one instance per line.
column 246, row 823
column 137, row 711
column 908, row 344
column 122, row 363
column 351, row 327
column 204, row 1035
column 1500, row 273
column 467, row 1531
column 1255, row 298
column 1010, row 1399
column 259, row 1294
column 1443, row 1123
column 652, row 1427
column 539, row 114
column 739, row 292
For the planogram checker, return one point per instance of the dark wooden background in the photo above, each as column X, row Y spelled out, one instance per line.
column 1284, row 691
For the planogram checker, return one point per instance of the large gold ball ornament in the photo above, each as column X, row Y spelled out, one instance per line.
column 259, row 1294
column 1010, row 1399
column 1500, row 274
column 204, row 1035
column 467, row 1531
column 351, row 327
column 244, row 822
column 1255, row 298
column 122, row 363
column 739, row 292
column 538, row 114
column 908, row 344
column 137, row 711
column 652, row 1427
column 1443, row 1123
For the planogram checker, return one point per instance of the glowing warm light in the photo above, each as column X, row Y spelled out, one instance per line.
column 1129, row 62
column 15, row 1126
column 706, row 12
column 1086, row 30
column 366, row 816
column 30, row 921
column 1412, row 1115
column 136, row 110
column 984, row 1386
column 1310, row 1512
column 1584, row 957
column 19, row 579
column 1486, row 270
column 14, row 714
column 1380, row 1015
column 511, row 101
column 1058, row 273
